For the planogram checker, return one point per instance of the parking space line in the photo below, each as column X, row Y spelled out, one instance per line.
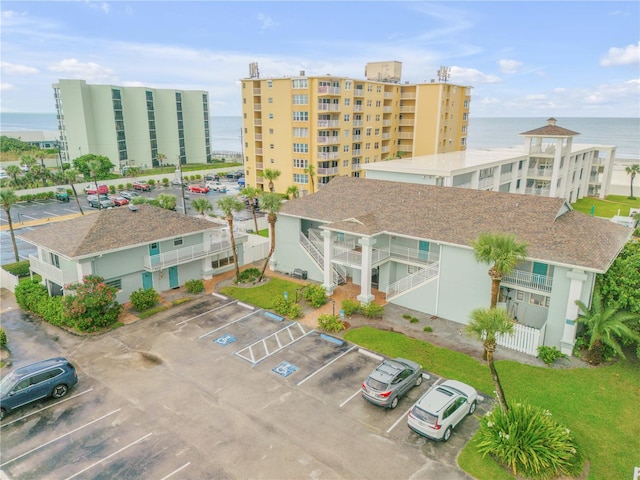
column 263, row 341
column 49, row 213
column 27, row 216
column 59, row 438
column 69, row 210
column 109, row 456
column 48, row 406
column 176, row 471
column 325, row 366
column 204, row 313
column 350, row 398
column 404, row 415
column 228, row 324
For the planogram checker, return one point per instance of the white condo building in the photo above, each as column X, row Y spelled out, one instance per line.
column 133, row 125
column 549, row 165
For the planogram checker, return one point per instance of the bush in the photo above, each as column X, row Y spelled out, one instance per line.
column 350, row 307
column 129, row 186
column 413, row 320
column 315, row 295
column 151, row 182
column 287, row 308
column 372, row 310
column 549, row 354
column 112, row 189
column 19, row 269
column 194, row 286
column 143, row 299
column 29, row 293
column 121, row 186
column 528, row 441
column 3, row 338
column 330, row 323
column 406, row 316
column 427, row 329
column 165, row 181
column 249, row 275
column 93, row 307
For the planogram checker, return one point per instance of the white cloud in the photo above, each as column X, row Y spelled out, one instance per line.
column 266, row 22
column 87, row 71
column 622, row 56
column 6, row 86
column 471, row 76
column 104, row 6
column 509, row 66
column 16, row 69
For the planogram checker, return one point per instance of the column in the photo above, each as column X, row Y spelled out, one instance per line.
column 578, row 278
column 327, row 279
column 365, row 284
column 555, row 174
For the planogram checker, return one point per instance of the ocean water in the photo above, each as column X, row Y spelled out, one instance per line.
column 226, row 132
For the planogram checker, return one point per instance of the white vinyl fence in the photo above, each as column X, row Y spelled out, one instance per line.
column 524, row 339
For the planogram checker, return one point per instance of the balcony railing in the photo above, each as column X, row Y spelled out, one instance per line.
column 406, row 123
column 407, row 135
column 51, row 272
column 388, row 109
column 413, row 280
column 325, row 89
column 328, row 155
column 358, row 108
column 329, row 107
column 386, row 136
column 356, row 138
column 328, row 123
column 256, row 91
column 541, row 192
column 185, row 255
column 534, row 281
column 358, row 92
column 385, row 149
column 407, row 109
column 486, row 182
column 358, row 123
column 386, row 123
column 388, row 95
column 539, row 172
column 257, row 107
column 506, row 177
column 328, row 171
column 323, row 139
column 407, row 96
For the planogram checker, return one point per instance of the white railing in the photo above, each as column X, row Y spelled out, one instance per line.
column 406, row 123
column 358, row 123
column 413, row 254
column 184, row 255
column 356, row 138
column 408, row 135
column 534, row 281
column 328, row 171
column 338, row 273
column 388, row 109
column 486, row 182
column 387, row 136
column 323, row 139
column 257, row 106
column 328, row 123
column 388, row 95
column 51, row 272
column 540, row 172
column 358, row 92
column 328, row 107
column 386, row 123
column 542, row 192
column 385, row 149
column 524, row 339
column 418, row 278
column 407, row 96
column 328, row 89
column 506, row 177
column 464, row 185
column 328, row 155
column 407, row 109
column 256, row 91
column 356, row 167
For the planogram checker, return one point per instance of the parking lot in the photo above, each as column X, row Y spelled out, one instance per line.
column 215, row 388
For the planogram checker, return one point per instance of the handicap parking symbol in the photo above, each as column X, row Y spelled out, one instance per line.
column 225, row 339
column 285, row 369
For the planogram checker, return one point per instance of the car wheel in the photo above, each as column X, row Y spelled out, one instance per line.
column 447, row 434
column 3, row 412
column 419, row 380
column 394, row 403
column 472, row 408
column 59, row 391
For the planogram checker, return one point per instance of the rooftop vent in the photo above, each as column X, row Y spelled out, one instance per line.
column 133, row 208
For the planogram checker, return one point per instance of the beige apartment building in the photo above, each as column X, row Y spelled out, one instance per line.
column 314, row 128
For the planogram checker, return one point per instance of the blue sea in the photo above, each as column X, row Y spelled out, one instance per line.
column 483, row 132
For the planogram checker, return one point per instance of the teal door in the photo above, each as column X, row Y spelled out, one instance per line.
column 423, row 250
column 173, row 277
column 154, row 253
column 539, row 272
column 147, row 280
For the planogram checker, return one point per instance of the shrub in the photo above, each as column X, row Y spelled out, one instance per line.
column 121, row 186
column 94, row 305
column 427, row 329
column 151, row 182
column 3, row 338
column 19, row 269
column 406, row 316
column 549, row 354
column 112, row 189
column 372, row 310
column 29, row 293
column 349, row 307
column 194, row 286
column 315, row 295
column 330, row 323
column 249, row 275
column 287, row 308
column 143, row 299
column 165, row 181
column 413, row 320
column 529, row 442
column 129, row 185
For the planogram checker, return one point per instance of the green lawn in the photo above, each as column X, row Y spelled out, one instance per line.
column 600, row 405
column 608, row 207
column 264, row 295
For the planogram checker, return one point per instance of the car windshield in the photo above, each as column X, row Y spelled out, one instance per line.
column 376, row 384
column 423, row 415
column 7, row 383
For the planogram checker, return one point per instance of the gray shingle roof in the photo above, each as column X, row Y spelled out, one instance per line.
column 115, row 229
column 458, row 215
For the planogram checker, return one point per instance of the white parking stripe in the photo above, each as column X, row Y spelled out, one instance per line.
column 27, row 216
column 350, row 398
column 228, row 324
column 204, row 313
column 404, row 415
column 69, row 210
column 322, row 368
column 49, row 213
column 109, row 456
column 48, row 406
column 176, row 471
column 60, row 437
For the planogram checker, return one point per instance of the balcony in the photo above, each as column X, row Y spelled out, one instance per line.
column 356, row 167
column 407, row 109
column 406, row 123
column 405, row 148
column 329, row 107
column 328, row 155
column 533, row 281
column 356, row 152
column 385, row 149
column 540, row 172
column 358, row 108
column 328, row 123
column 358, row 123
column 356, row 138
column 256, row 91
column 257, row 107
column 258, row 137
column 328, row 171
column 258, row 151
column 388, row 96
column 358, row 92
column 539, row 191
column 51, row 272
column 154, row 263
column 506, row 177
column 325, row 140
column 387, row 136
column 486, row 182
column 327, row 90
column 387, row 109
column 386, row 123
column 257, row 122
column 406, row 135
column 408, row 96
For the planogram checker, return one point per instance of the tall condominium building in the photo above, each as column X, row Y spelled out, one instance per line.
column 137, row 126
column 313, row 128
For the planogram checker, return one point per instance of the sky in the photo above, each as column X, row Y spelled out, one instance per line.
column 522, row 58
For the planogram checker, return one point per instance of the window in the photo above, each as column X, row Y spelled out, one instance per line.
column 115, row 283
column 378, row 103
column 377, row 131
column 300, row 83
column 300, row 99
column 271, row 146
column 368, row 118
column 346, row 117
column 177, row 242
column 368, row 132
column 376, row 145
column 269, row 83
column 270, row 100
column 378, row 117
column 347, row 84
column 271, row 116
column 222, row 259
column 369, row 88
column 300, row 163
column 539, row 300
column 301, row 132
column 300, row 116
column 300, row 178
column 367, row 146
column 369, row 103
column 345, row 148
column 301, row 147
column 55, row 260
column 345, row 163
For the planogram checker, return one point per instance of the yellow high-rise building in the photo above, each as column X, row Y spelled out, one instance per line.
column 313, row 128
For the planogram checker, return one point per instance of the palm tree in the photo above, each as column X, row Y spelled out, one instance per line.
column 28, row 161
column 633, row 170
column 71, row 175
column 252, row 193
column 270, row 175
column 293, row 192
column 486, row 324
column 502, row 252
column 201, row 205
column 271, row 202
column 228, row 205
column 168, row 201
column 8, row 198
column 94, row 166
column 161, row 157
column 605, row 326
column 311, row 171
column 14, row 171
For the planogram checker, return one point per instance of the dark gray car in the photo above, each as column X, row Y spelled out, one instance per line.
column 390, row 381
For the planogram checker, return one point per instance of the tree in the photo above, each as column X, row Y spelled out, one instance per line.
column 71, row 175
column 271, row 203
column 620, row 286
column 94, row 168
column 228, row 205
column 252, row 193
column 160, row 157
column 92, row 304
column 311, row 171
column 82, row 165
column 270, row 175
column 8, row 198
column 502, row 252
column 13, row 171
column 201, row 205
column 28, row 161
column 632, row 170
column 167, row 201
column 605, row 326
column 293, row 192
column 486, row 324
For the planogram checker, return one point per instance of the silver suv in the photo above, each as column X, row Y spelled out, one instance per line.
column 390, row 381
column 440, row 410
column 48, row 378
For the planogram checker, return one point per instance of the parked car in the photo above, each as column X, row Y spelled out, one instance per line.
column 241, row 182
column 47, row 378
column 92, row 190
column 235, row 175
column 129, row 195
column 216, row 186
column 62, row 194
column 102, row 200
column 176, row 182
column 198, row 188
column 441, row 409
column 390, row 381
column 118, row 201
column 142, row 186
column 211, row 178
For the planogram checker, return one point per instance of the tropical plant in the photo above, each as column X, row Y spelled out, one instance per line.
column 372, row 310
column 271, row 203
column 287, row 308
column 71, row 175
column 142, row 299
column 229, row 205
column 13, row 171
column 167, row 201
column 605, row 326
column 316, row 295
column 549, row 354
column 270, row 175
column 3, row 338
column 330, row 323
column 293, row 192
column 311, row 171
column 252, row 193
column 8, row 198
column 632, row 171
column 503, row 253
column 161, row 157
column 202, row 206
column 194, row 286
column 92, row 304
column 486, row 324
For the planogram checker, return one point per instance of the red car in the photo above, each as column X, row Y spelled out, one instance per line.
column 91, row 189
column 198, row 189
column 145, row 187
column 118, row 201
